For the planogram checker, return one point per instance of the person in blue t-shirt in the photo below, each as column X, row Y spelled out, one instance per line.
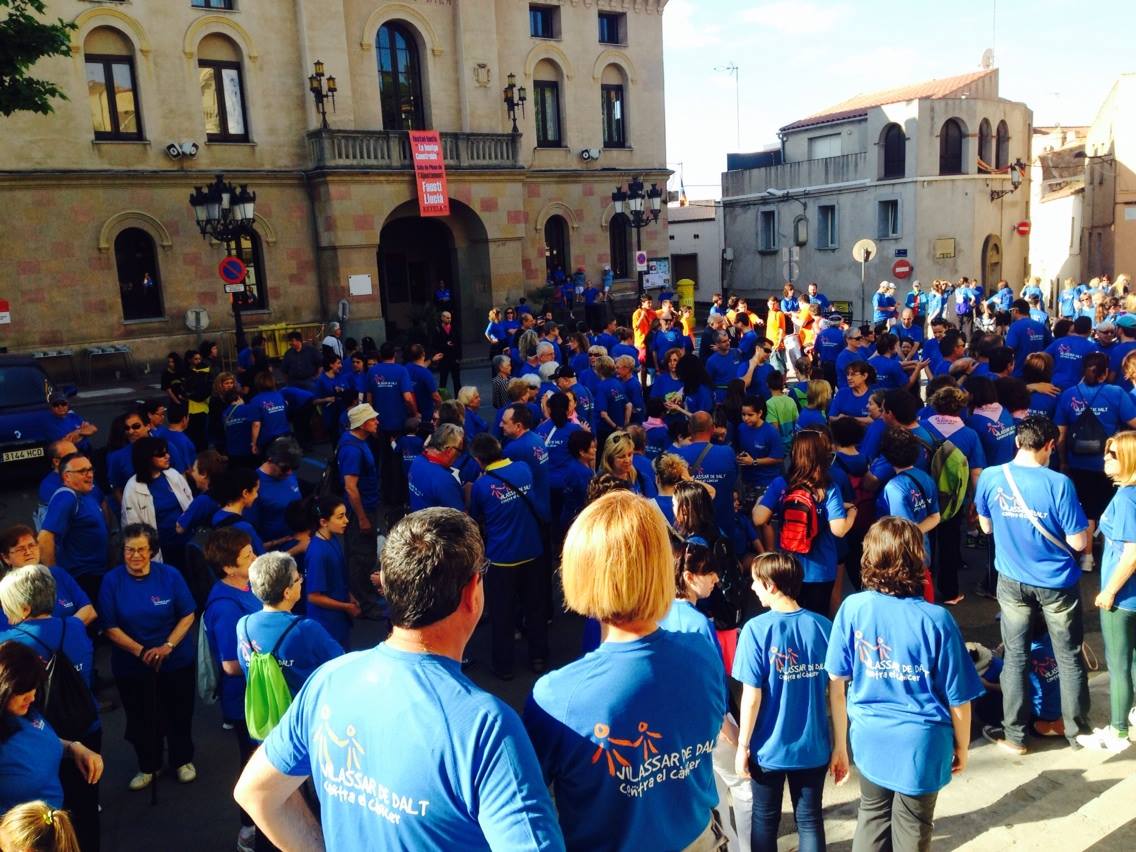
column 279, row 488
column 525, row 446
column 812, row 455
column 556, row 432
column 890, row 373
column 460, row 773
column 609, row 732
column 761, row 452
column 852, row 399
column 19, row 548
column 270, row 413
column 1038, row 526
column 789, row 303
column 74, row 532
column 577, row 476
column 625, row 369
column 1026, row 335
column 432, row 480
column 146, row 610
column 1069, row 353
column 423, row 384
column 883, row 304
column 503, row 503
column 238, row 418
column 230, row 599
column 713, row 464
column 1079, row 442
column 1002, row 298
column 236, row 492
column 910, row 684
column 390, row 391
column 909, row 493
column 993, row 424
column 783, row 730
column 329, row 598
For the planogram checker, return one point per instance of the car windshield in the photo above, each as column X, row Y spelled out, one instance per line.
column 21, row 386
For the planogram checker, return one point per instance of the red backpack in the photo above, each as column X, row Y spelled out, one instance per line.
column 799, row 521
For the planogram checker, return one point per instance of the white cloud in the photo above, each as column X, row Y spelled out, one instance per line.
column 797, row 17
column 684, row 30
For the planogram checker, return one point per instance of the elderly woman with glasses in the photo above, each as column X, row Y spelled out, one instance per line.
column 147, row 611
column 628, row 755
column 18, row 547
column 28, row 598
column 157, row 495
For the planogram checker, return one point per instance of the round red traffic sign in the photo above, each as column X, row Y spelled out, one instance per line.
column 232, row 270
column 901, row 268
column 1023, row 228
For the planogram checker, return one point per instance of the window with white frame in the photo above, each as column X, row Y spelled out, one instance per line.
column 887, row 218
column 767, row 230
column 826, row 226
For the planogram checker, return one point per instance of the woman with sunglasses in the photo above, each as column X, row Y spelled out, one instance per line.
column 157, row 495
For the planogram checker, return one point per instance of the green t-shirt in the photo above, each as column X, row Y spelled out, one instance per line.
column 781, row 411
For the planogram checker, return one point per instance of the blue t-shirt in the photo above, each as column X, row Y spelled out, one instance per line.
column 69, row 597
column 1113, row 408
column 325, row 572
column 272, row 412
column 844, row 359
column 306, row 647
column 354, row 458
column 810, row 418
column 719, row 467
column 474, row 425
column 761, row 442
column 529, row 448
column 1069, row 357
column 645, row 482
column 1116, row 356
column 890, row 374
column 685, row 618
column 914, row 334
column 1002, row 299
column 29, row 763
column 873, row 436
column 667, row 388
column 199, row 513
column 274, row 497
column 747, row 345
column 913, row 495
column 908, row 666
column 512, row 535
column 386, row 383
column 224, row 607
column 1118, row 526
column 43, row 636
column 819, row 563
column 845, row 402
column 1067, row 303
column 789, row 304
column 120, row 467
column 997, row 436
column 782, row 654
column 433, row 485
column 167, row 508
column 829, row 344
column 701, row 400
column 556, row 442
column 1043, row 404
column 612, row 398
column 577, row 477
column 460, row 774
column 668, row 340
column 880, row 307
column 80, row 531
column 1021, row 552
column 759, row 381
column 182, row 450
column 629, row 755
column 146, row 609
column 238, row 419
column 722, row 369
column 965, row 438
column 634, row 392
column 223, row 516
column 1025, row 337
column 425, row 386
column 665, row 502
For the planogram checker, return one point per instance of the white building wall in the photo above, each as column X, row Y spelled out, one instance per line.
column 702, row 238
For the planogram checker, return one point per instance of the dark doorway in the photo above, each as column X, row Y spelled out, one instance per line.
column 139, row 281
column 991, row 261
column 414, row 254
column 557, row 249
column 684, row 266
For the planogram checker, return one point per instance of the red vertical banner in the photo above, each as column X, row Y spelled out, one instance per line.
column 429, row 173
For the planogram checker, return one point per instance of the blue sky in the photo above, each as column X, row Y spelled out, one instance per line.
column 797, row 57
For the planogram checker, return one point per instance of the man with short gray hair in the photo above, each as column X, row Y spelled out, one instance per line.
column 432, row 482
column 459, row 770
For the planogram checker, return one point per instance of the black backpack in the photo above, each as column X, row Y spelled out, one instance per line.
column 1087, row 436
column 64, row 698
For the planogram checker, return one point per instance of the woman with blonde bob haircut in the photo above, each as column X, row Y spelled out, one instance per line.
column 619, row 459
column 910, row 684
column 1117, row 598
column 611, row 720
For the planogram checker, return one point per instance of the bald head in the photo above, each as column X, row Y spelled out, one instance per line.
column 701, row 425
column 59, row 450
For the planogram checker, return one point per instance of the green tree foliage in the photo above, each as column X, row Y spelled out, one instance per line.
column 24, row 39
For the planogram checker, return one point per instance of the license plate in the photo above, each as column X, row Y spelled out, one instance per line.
column 19, row 455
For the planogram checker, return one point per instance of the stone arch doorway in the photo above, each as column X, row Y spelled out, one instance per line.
column 415, row 252
column 991, row 261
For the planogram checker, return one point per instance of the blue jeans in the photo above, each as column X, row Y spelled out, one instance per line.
column 1061, row 610
column 805, row 789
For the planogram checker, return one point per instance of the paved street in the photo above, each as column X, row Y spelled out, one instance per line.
column 1051, row 797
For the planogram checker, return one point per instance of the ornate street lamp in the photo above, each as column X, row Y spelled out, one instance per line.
column 514, row 96
column 642, row 208
column 224, row 212
column 1017, row 171
column 321, row 94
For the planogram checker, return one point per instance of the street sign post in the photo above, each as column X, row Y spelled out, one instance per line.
column 1023, row 228
column 901, row 268
column 862, row 253
column 640, row 261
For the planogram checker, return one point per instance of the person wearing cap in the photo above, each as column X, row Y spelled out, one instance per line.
column 1026, row 335
column 68, row 425
column 359, row 478
column 565, row 379
column 333, row 342
column 1126, row 327
column 883, row 304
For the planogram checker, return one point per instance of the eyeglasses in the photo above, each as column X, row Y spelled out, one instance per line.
column 61, row 404
column 137, row 551
column 767, row 350
column 82, row 471
column 296, row 579
column 134, row 427
column 159, row 454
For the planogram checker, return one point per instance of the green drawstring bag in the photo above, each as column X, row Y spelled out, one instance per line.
column 267, row 695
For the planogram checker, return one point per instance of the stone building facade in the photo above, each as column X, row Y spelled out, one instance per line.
column 93, row 201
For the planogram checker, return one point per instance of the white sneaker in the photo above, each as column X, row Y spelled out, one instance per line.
column 186, row 773
column 246, row 838
column 1104, row 739
column 1132, row 718
column 1088, row 563
column 141, row 781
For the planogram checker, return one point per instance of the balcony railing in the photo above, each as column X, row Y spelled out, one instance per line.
column 390, row 150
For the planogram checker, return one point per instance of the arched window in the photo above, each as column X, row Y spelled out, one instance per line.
column 558, row 251
column 984, row 142
column 222, row 89
column 112, row 91
column 546, row 105
column 619, row 237
column 249, row 250
column 400, row 78
column 950, row 148
column 1002, row 150
column 139, row 280
column 613, row 107
column 895, row 152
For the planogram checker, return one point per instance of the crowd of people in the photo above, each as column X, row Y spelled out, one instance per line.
column 761, row 523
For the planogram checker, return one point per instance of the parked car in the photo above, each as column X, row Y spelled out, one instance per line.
column 25, row 418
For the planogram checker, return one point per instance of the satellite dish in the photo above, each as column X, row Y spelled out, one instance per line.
column 988, row 58
column 197, row 319
column 863, row 251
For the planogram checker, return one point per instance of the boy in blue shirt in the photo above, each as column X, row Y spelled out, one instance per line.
column 783, row 732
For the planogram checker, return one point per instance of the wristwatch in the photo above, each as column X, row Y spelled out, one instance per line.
column 170, row 645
